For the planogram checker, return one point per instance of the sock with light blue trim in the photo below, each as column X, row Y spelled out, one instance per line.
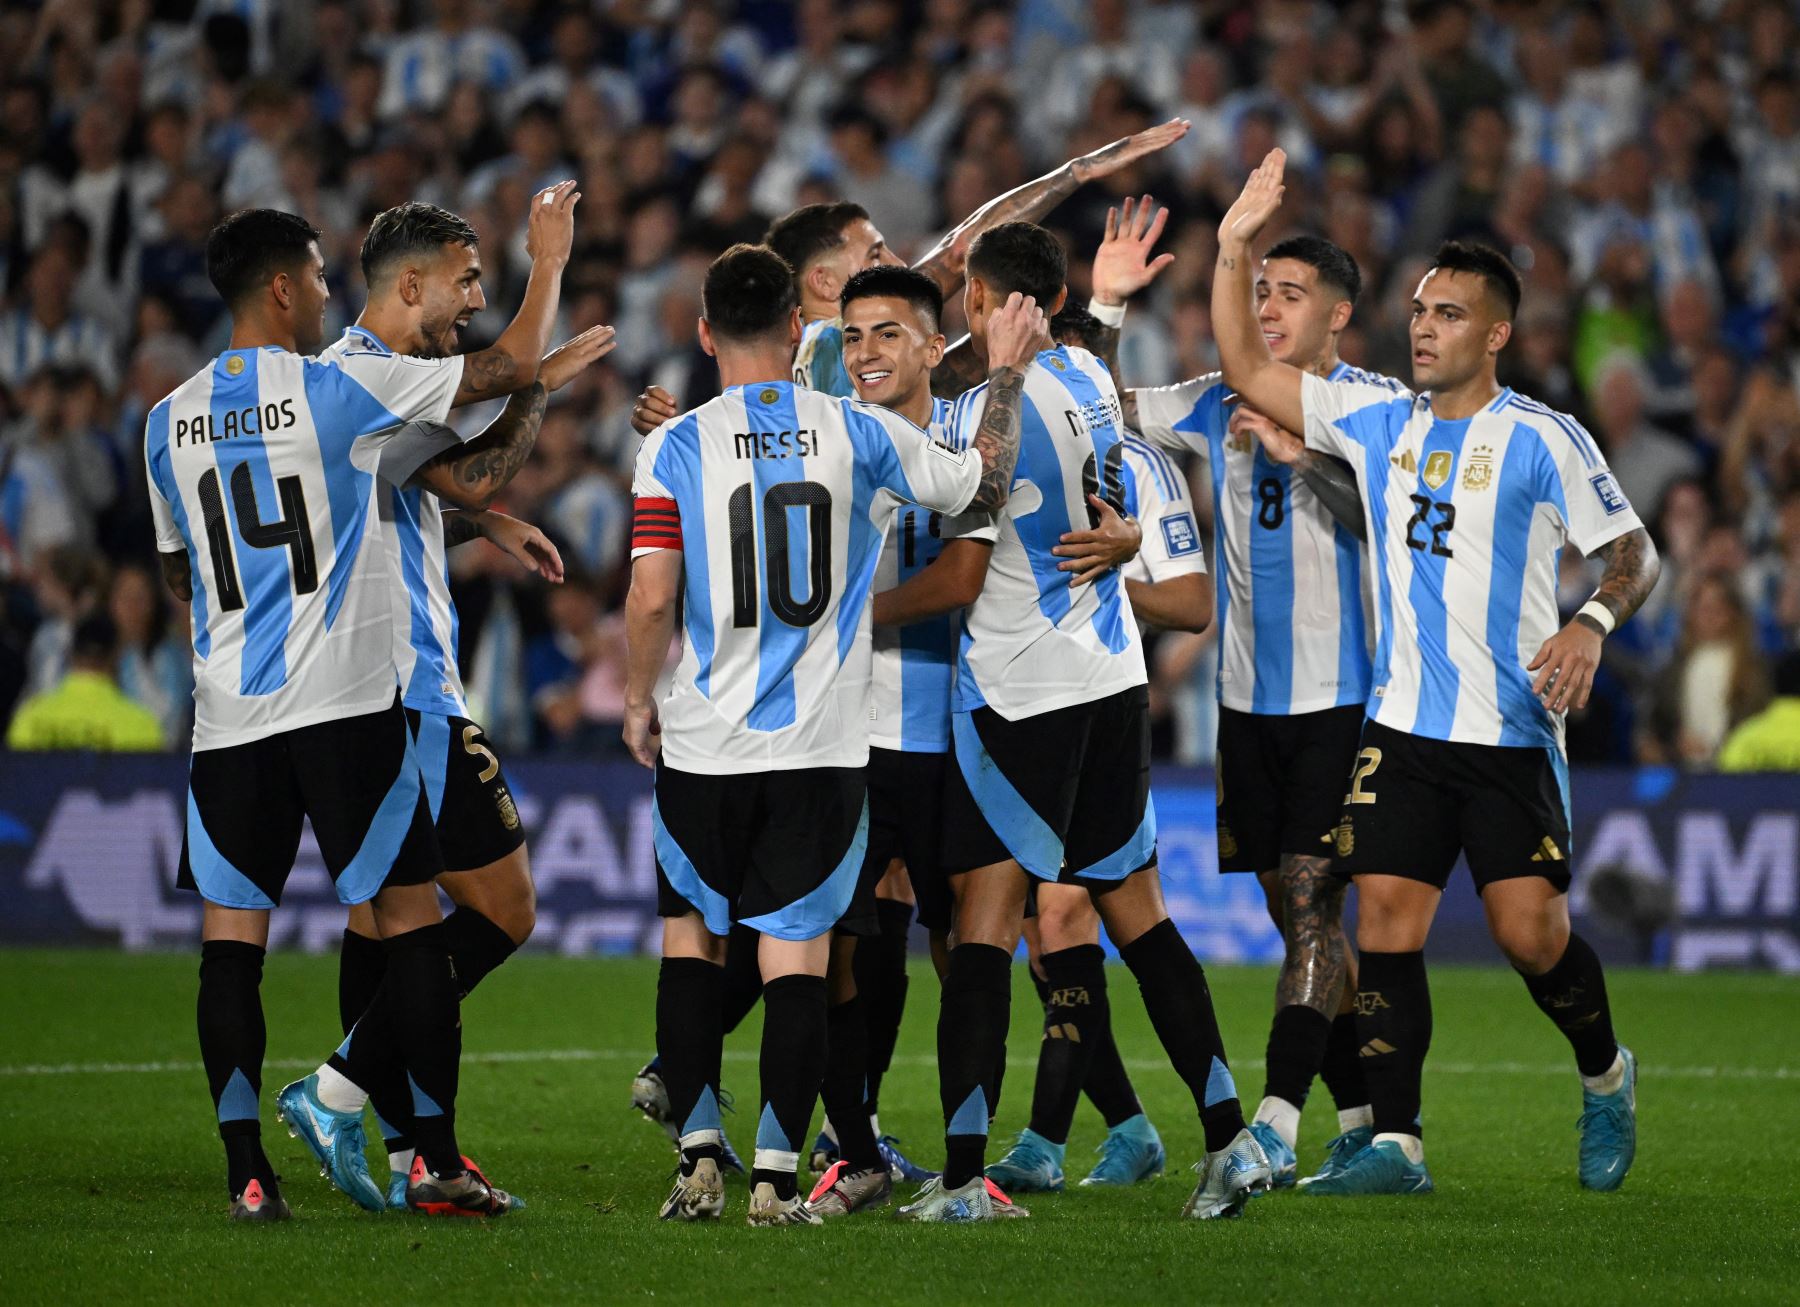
column 690, row 1042
column 1181, row 1009
column 793, row 1068
column 977, row 1005
column 232, row 1042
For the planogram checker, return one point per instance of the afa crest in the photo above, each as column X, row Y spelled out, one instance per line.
column 1437, row 468
column 509, row 811
column 1478, row 473
column 235, row 365
column 770, row 395
column 1346, row 839
column 1057, row 363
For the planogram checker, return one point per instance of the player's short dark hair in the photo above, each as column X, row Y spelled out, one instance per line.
column 408, row 231
column 1076, row 326
column 1332, row 262
column 1022, row 257
column 887, row 280
column 251, row 246
column 749, row 292
column 1787, row 675
column 1485, row 262
column 811, row 232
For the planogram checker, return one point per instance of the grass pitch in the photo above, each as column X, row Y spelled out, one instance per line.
column 114, row 1180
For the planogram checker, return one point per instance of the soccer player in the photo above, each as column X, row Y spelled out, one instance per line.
column 262, row 471
column 1052, row 741
column 1169, row 588
column 1470, row 491
column 326, row 1107
column 1294, row 657
column 761, row 816
column 422, row 265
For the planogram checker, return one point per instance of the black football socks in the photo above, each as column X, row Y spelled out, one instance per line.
column 846, row 1081
column 1342, row 1071
column 1176, row 996
column 1075, row 1012
column 690, row 1043
column 1297, row 1041
column 743, row 977
column 1393, row 1020
column 793, row 1067
column 882, row 982
column 971, row 1041
column 1573, row 995
column 232, row 1042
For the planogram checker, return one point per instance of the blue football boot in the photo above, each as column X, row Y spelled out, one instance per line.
column 900, row 1167
column 1339, row 1152
column 1131, row 1151
column 1032, row 1165
column 1608, row 1128
column 1381, row 1168
column 335, row 1139
column 1282, row 1162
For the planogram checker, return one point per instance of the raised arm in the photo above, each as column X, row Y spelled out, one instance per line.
column 1269, row 386
column 511, row 362
column 1565, row 663
column 1123, row 265
column 945, row 261
column 1016, row 333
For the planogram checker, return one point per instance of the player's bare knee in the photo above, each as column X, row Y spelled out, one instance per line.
column 1533, row 944
column 1067, row 920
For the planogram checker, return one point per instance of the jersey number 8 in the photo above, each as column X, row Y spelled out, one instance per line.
column 777, row 500
column 289, row 531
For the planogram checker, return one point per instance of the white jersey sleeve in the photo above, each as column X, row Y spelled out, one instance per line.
column 923, row 471
column 416, row 393
column 1183, row 416
column 1593, row 509
column 1157, row 494
column 1356, row 413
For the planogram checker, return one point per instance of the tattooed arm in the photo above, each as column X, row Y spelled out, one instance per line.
column 523, row 542
column 511, row 362
column 471, row 474
column 1567, row 659
column 1331, row 479
column 460, row 528
column 177, row 574
column 1027, row 203
column 997, row 438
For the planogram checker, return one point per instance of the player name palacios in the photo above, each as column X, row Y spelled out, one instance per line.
column 777, row 444
column 256, row 420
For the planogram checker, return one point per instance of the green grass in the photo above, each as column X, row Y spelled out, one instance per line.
column 114, row 1179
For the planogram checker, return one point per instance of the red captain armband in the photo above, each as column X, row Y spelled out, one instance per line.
column 655, row 524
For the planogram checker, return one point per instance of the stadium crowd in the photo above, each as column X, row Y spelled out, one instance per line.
column 1639, row 162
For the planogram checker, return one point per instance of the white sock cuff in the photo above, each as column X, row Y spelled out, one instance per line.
column 773, row 1159
column 1355, row 1118
column 1282, row 1115
column 701, row 1139
column 1411, row 1145
column 339, row 1092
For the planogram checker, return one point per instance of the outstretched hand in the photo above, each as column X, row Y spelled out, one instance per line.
column 1261, row 196
column 1127, row 150
column 1124, row 265
column 525, row 544
column 550, row 225
column 566, row 362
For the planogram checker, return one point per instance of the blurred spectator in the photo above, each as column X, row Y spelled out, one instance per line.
column 155, row 666
column 1717, row 679
column 48, row 329
column 68, row 584
column 1769, row 741
column 1644, row 458
column 85, row 709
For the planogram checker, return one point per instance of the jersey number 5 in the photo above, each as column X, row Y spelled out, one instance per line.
column 777, row 500
column 289, row 531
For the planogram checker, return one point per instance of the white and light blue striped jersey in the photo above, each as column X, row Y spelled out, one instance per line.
column 1467, row 520
column 425, row 624
column 1030, row 643
column 1292, row 604
column 263, row 468
column 1157, row 495
column 778, row 497
column 819, row 362
column 915, row 665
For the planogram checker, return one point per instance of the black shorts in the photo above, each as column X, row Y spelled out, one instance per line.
column 1415, row 803
column 1281, row 783
column 357, row 779
column 1066, row 793
column 906, row 805
column 777, row 851
column 476, row 818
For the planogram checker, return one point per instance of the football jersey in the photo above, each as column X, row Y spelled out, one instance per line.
column 819, row 362
column 1467, row 520
column 915, row 664
column 263, row 468
column 1029, row 642
column 1293, row 607
column 425, row 625
column 778, row 498
column 1156, row 493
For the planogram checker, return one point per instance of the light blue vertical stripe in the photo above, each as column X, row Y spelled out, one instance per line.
column 428, row 672
column 342, row 412
column 1439, row 680
column 779, row 644
column 875, row 464
column 1108, row 620
column 368, row 871
column 1375, row 476
column 1272, row 585
column 264, row 574
column 1042, row 529
column 678, row 468
column 1517, row 490
column 1353, row 633
column 926, row 650
column 433, row 747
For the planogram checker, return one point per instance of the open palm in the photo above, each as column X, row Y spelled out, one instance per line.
column 1261, row 197
column 1124, row 264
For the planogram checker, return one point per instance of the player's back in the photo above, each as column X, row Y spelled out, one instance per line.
column 260, row 471
column 779, row 497
column 1030, row 642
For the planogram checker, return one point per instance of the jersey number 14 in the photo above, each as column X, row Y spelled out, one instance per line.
column 289, row 531
column 777, row 500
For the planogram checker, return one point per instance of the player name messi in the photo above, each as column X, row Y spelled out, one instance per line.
column 258, row 419
column 778, row 444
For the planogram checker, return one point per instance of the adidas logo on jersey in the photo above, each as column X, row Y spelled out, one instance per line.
column 1405, row 462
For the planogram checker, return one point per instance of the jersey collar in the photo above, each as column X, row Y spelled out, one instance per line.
column 368, row 338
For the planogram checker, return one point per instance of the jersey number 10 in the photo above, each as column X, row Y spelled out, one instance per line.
column 777, row 500
column 289, row 531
